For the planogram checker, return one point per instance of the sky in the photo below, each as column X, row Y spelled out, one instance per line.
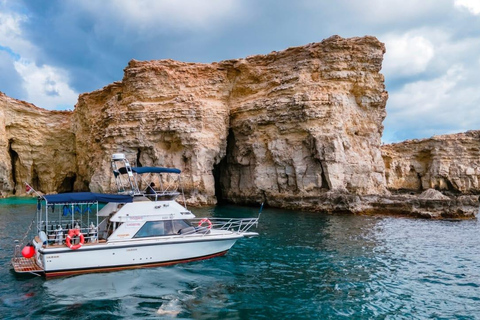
column 53, row 50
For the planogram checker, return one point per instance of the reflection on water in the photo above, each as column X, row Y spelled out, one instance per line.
column 303, row 266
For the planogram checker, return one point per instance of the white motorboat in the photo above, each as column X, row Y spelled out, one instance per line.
column 141, row 226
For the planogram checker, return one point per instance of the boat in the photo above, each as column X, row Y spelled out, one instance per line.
column 141, row 225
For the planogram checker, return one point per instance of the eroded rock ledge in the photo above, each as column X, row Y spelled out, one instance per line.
column 300, row 128
column 447, row 163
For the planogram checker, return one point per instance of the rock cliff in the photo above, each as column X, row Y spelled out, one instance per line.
column 163, row 113
column 449, row 163
column 37, row 146
column 290, row 124
column 300, row 128
column 417, row 170
column 305, row 121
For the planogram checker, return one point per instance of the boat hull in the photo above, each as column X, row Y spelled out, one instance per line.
column 120, row 256
column 64, row 273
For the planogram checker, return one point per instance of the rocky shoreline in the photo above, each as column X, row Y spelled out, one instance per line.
column 299, row 128
column 427, row 205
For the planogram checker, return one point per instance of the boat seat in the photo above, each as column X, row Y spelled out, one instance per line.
column 188, row 230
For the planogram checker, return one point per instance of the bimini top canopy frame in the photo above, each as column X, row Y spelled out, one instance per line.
column 144, row 176
column 142, row 170
column 153, row 182
column 76, row 210
column 86, row 197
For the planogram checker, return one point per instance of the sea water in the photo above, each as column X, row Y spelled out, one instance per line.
column 302, row 266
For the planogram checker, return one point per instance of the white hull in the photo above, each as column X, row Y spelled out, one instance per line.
column 62, row 261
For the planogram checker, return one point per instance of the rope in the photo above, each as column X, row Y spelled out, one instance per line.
column 28, row 231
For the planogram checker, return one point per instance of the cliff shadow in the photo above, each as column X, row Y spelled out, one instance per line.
column 13, row 163
column 220, row 171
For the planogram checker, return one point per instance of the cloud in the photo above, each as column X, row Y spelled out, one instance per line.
column 432, row 81
column 46, row 85
column 471, row 5
column 153, row 15
column 407, row 54
column 437, row 106
column 410, row 12
column 11, row 34
column 11, row 83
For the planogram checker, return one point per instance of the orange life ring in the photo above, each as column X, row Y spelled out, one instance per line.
column 205, row 220
column 72, row 233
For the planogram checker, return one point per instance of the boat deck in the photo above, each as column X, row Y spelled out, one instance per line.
column 24, row 265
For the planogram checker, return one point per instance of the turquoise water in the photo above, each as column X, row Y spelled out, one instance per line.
column 303, row 266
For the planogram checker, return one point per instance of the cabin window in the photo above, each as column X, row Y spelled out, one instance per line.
column 179, row 225
column 154, row 229
column 160, row 228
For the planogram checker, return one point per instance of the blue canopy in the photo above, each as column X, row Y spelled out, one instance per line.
column 141, row 170
column 87, row 197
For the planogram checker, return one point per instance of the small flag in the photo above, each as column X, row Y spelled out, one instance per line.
column 28, row 188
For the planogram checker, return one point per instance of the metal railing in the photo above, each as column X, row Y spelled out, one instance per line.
column 239, row 225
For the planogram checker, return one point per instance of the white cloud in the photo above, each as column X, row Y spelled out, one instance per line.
column 10, row 80
column 11, row 36
column 171, row 14
column 471, row 5
column 441, row 105
column 394, row 11
column 407, row 54
column 433, row 89
column 46, row 86
column 418, row 98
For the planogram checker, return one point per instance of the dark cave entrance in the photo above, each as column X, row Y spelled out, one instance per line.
column 217, row 173
column 67, row 184
column 139, row 154
column 13, row 162
column 220, row 171
column 35, row 179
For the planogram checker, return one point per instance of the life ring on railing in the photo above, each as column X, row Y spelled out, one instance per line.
column 207, row 221
column 72, row 233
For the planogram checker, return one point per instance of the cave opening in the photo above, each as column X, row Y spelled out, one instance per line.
column 217, row 173
column 220, row 171
column 35, row 179
column 13, row 162
column 139, row 154
column 68, row 183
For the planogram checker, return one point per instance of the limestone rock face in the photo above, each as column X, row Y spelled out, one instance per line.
column 294, row 123
column 36, row 146
column 449, row 163
column 305, row 121
column 163, row 113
